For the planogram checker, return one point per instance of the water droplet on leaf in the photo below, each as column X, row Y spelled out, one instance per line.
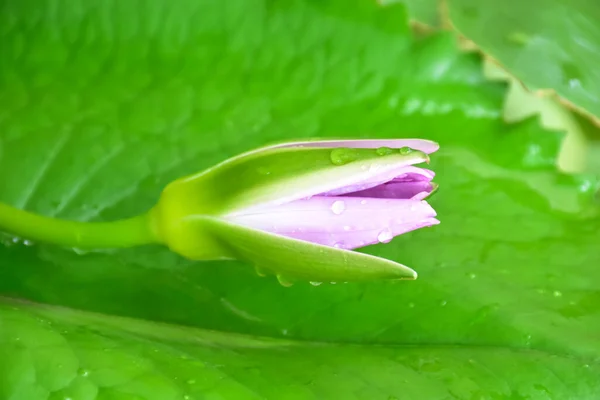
column 316, row 283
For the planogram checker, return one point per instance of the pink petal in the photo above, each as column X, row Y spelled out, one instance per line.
column 362, row 238
column 345, row 222
column 396, row 190
column 400, row 174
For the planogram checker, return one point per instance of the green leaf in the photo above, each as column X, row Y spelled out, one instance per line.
column 423, row 11
column 60, row 353
column 102, row 104
column 546, row 44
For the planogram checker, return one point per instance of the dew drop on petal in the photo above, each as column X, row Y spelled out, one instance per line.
column 385, row 236
column 374, row 167
column 338, row 245
column 338, row 207
column 363, row 202
column 347, row 228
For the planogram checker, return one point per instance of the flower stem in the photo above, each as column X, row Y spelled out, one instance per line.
column 85, row 235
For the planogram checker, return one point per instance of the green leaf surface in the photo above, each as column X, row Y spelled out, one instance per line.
column 547, row 44
column 56, row 353
column 423, row 11
column 102, row 104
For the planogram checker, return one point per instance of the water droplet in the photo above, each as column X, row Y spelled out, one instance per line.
column 347, row 228
column 16, row 240
column 571, row 75
column 363, row 202
column 80, row 251
column 83, row 372
column 263, row 171
column 315, row 283
column 333, row 283
column 191, row 381
column 411, row 305
column 385, row 236
column 260, row 271
column 374, row 167
column 284, row 332
column 284, row 281
column 472, row 275
column 518, row 38
column 443, row 303
column 343, row 156
column 383, row 151
column 28, row 242
column 338, row 207
column 557, row 293
column 405, row 150
column 338, row 245
column 186, row 397
column 586, row 365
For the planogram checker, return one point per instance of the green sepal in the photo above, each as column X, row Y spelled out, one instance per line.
column 295, row 260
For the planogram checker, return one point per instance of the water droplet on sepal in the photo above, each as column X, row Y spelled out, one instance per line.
column 343, row 156
column 405, row 150
column 284, row 281
column 383, row 151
